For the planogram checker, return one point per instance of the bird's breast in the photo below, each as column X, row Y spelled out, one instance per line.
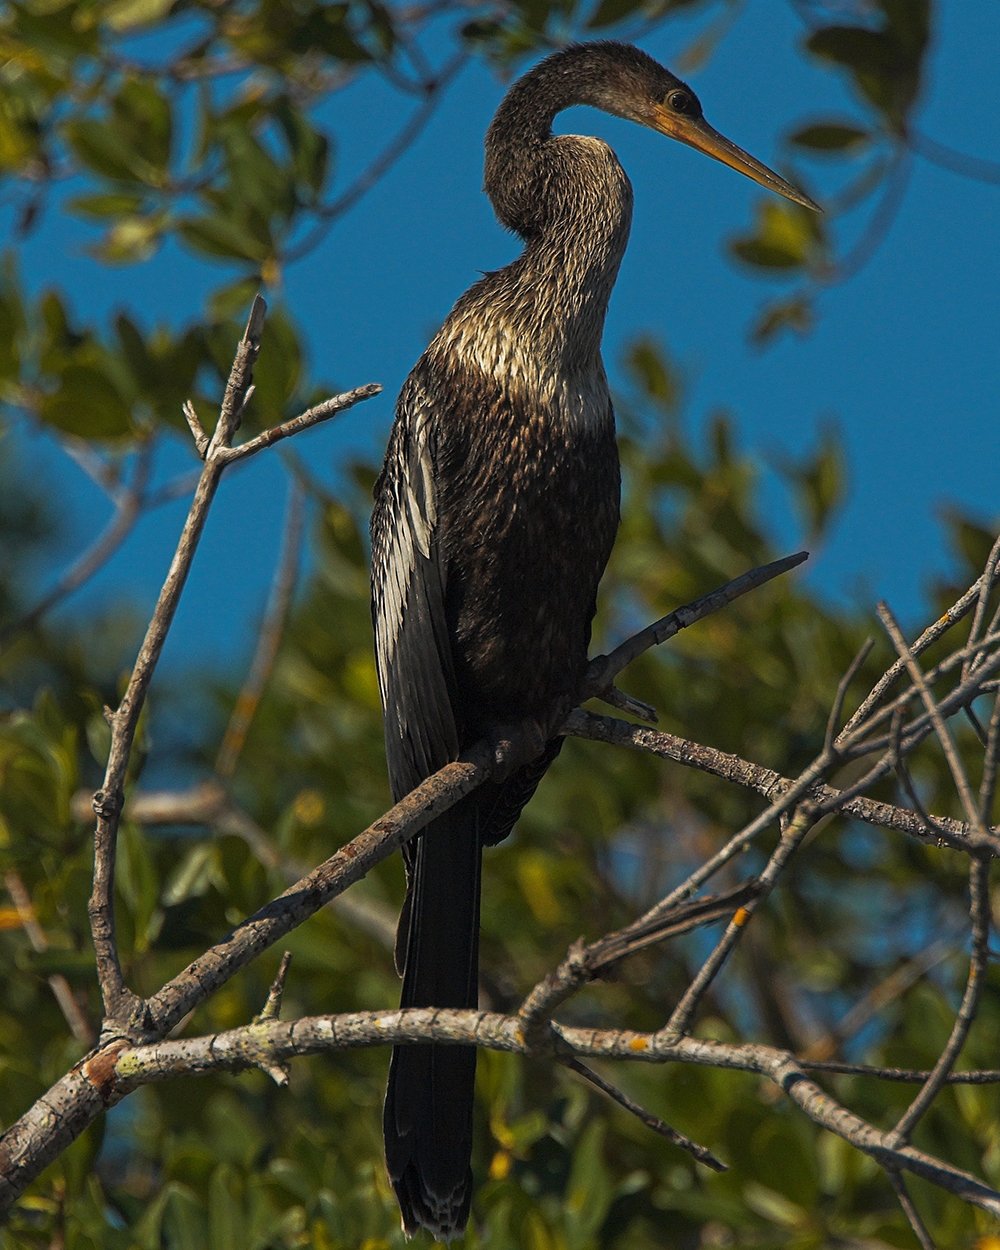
column 527, row 490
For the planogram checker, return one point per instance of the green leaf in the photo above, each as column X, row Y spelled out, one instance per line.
column 137, row 880
column 104, row 149
column 226, row 1225
column 195, row 875
column 788, row 237
column 589, row 1192
column 887, row 63
column 87, row 404
column 78, row 965
column 831, row 137
column 230, row 300
column 650, row 367
column 818, row 481
column 795, row 314
column 610, row 11
column 112, row 205
column 142, row 108
column 132, row 239
column 11, row 328
column 222, row 237
column 127, row 14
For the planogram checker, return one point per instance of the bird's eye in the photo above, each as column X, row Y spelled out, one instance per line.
column 679, row 101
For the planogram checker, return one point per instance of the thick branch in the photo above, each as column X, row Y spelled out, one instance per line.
column 256, row 1045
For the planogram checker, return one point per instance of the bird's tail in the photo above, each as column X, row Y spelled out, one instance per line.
column 428, row 1105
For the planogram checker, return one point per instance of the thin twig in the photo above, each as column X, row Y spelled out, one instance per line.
column 312, row 416
column 955, row 764
column 955, row 162
column 906, row 1076
column 583, row 963
column 79, row 1025
column 957, row 612
column 791, row 838
column 903, row 773
column 201, row 439
column 129, row 506
column 979, row 908
column 272, row 1007
column 701, row 1153
column 122, row 1009
column 878, row 998
column 986, row 585
column 119, row 1002
column 842, row 689
column 603, row 669
column 988, row 782
column 382, row 163
column 909, row 1210
column 282, row 588
column 856, row 739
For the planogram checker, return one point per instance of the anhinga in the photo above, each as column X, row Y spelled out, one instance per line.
column 494, row 517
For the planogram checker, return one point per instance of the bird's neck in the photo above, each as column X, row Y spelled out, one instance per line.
column 570, row 200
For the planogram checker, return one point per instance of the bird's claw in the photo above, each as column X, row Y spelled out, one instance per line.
column 514, row 745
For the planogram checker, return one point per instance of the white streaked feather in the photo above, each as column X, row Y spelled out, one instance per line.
column 410, row 525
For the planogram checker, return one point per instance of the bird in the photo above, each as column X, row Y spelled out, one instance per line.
column 494, row 516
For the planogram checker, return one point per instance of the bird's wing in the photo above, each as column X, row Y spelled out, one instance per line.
column 412, row 648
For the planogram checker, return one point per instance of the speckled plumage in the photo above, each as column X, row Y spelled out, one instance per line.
column 494, row 517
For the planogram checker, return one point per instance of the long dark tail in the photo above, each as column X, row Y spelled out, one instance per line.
column 428, row 1105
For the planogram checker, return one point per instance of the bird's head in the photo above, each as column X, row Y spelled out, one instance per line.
column 621, row 79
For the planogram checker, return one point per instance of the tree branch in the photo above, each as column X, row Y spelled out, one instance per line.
column 282, row 589
column 283, row 1040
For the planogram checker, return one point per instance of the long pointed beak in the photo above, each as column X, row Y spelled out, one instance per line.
column 698, row 134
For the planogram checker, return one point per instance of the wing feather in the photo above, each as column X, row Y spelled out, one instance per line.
column 412, row 648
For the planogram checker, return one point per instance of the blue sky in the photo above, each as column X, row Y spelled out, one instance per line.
column 904, row 358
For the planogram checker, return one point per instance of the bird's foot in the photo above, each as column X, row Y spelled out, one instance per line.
column 514, row 745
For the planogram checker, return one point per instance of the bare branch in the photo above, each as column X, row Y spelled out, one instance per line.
column 906, row 1076
column 278, row 1072
column 910, row 1211
column 603, row 669
column 988, row 782
column 845, row 685
column 792, row 833
column 283, row 1040
column 79, row 1025
column 129, row 506
column 123, row 1010
column 626, row 703
column 958, row 772
column 957, row 612
column 978, row 965
column 312, row 416
column 702, row 1154
column 201, row 439
column 282, row 588
column 272, row 1008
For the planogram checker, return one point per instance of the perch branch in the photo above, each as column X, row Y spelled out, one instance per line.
column 283, row 1040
